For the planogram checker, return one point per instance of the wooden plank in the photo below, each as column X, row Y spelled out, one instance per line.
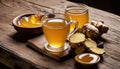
column 38, row 44
column 16, row 44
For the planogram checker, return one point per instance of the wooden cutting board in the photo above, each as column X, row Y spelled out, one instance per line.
column 38, row 45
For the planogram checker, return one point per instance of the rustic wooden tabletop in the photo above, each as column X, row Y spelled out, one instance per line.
column 13, row 50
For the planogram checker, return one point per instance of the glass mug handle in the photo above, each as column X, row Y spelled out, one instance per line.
column 75, row 28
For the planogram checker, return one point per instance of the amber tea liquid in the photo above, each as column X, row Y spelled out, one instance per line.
column 56, row 32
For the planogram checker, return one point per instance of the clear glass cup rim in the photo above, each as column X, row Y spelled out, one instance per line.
column 44, row 21
column 82, row 7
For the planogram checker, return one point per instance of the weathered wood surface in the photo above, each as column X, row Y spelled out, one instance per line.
column 15, row 43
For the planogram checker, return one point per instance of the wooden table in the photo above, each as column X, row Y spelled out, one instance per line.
column 15, row 54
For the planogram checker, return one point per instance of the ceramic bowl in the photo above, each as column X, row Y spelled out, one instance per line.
column 87, row 59
column 26, row 30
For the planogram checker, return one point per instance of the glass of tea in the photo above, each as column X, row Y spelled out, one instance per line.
column 77, row 12
column 56, row 30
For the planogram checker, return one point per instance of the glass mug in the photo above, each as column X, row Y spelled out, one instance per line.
column 79, row 13
column 56, row 30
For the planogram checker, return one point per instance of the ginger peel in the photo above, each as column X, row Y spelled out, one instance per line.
column 93, row 29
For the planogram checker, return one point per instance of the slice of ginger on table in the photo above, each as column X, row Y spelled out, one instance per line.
column 79, row 43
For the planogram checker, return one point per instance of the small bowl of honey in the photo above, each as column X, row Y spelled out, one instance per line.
column 28, row 24
column 87, row 59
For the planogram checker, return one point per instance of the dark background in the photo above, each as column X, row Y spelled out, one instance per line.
column 2, row 66
column 112, row 6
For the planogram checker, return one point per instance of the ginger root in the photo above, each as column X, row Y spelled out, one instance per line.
column 93, row 29
column 100, row 25
column 81, row 40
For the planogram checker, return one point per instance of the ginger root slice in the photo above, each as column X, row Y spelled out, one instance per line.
column 92, row 47
column 97, row 50
column 76, row 39
column 89, row 43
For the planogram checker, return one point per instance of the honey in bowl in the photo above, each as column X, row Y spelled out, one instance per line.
column 30, row 21
column 87, row 58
